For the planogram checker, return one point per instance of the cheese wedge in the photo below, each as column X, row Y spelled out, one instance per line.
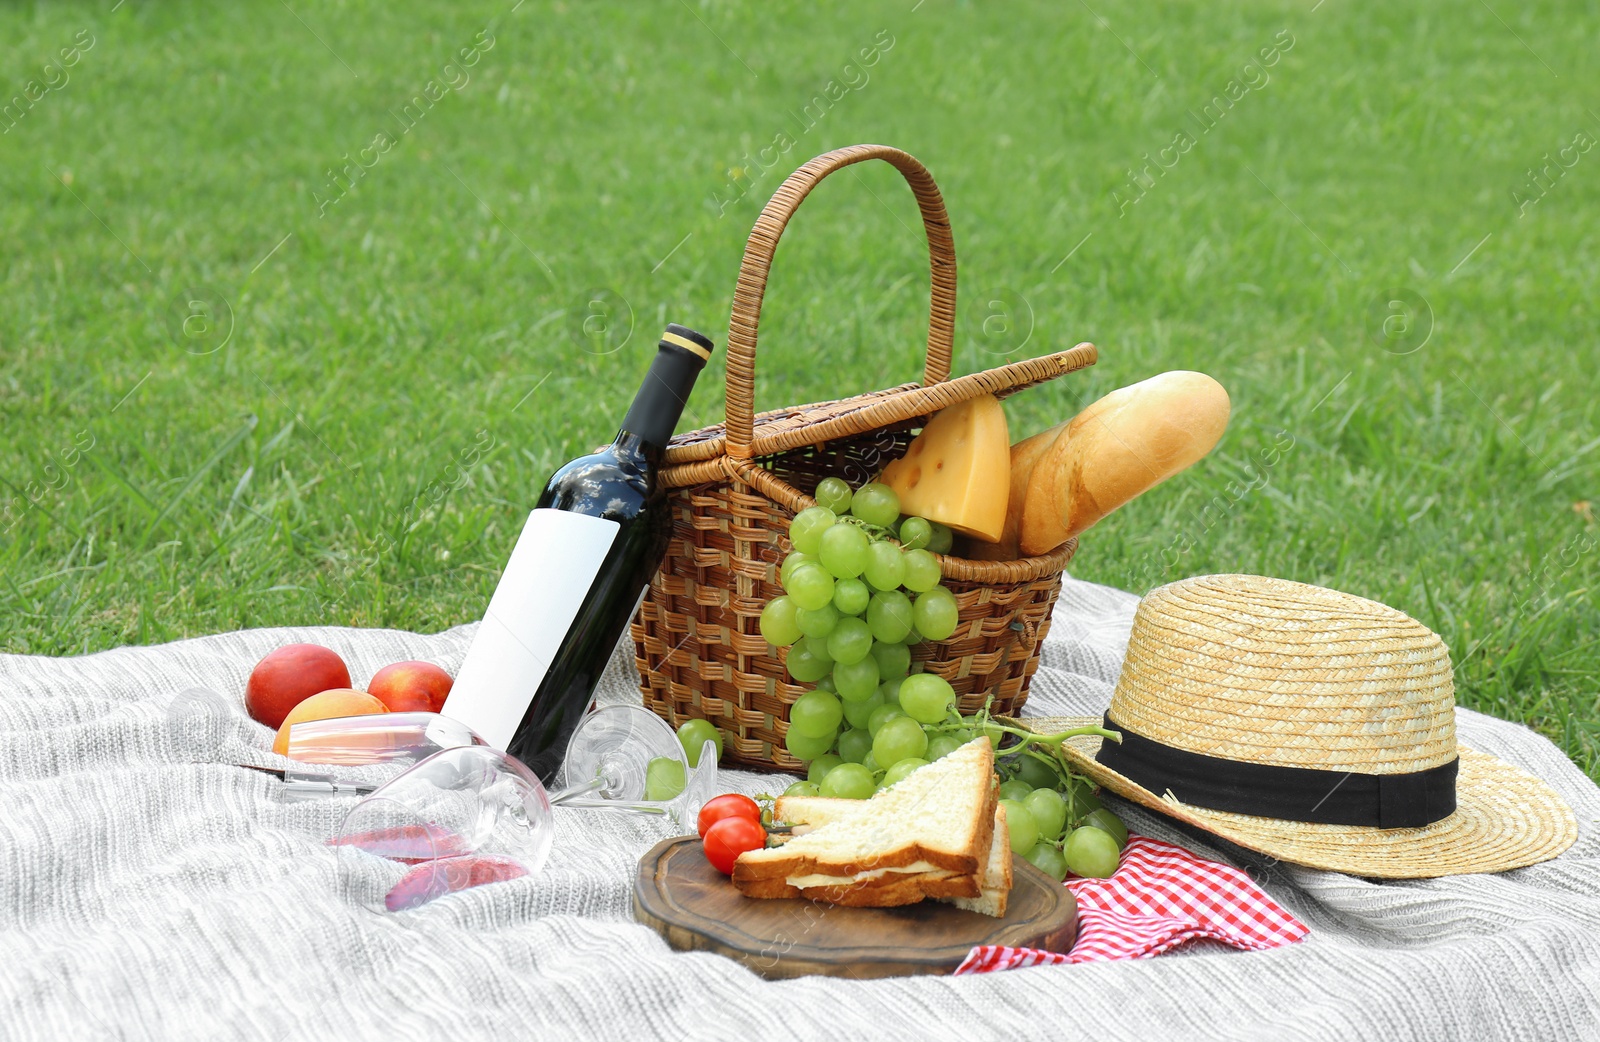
column 1025, row 455
column 958, row 470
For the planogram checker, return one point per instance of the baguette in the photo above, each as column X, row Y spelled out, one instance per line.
column 1121, row 446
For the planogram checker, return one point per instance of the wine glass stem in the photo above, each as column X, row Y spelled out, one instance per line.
column 641, row 808
column 578, row 790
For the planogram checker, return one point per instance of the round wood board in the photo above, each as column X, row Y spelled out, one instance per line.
column 696, row 908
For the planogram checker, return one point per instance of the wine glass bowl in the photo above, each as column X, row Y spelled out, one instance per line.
column 608, row 760
column 609, row 754
column 463, row 816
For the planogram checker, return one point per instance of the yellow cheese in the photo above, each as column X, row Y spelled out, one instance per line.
column 958, row 470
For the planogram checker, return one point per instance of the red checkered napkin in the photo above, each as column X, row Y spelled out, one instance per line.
column 1160, row 897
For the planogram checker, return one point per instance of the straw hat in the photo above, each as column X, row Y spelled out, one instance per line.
column 1314, row 727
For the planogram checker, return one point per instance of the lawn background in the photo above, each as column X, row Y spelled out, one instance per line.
column 301, row 462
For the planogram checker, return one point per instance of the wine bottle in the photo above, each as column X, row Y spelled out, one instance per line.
column 577, row 573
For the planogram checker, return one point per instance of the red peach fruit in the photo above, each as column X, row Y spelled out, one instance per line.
column 288, row 676
column 407, row 687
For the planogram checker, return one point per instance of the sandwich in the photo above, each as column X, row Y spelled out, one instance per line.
column 932, row 834
column 806, row 813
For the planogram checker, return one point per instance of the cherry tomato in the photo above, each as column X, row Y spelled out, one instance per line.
column 730, row 805
column 729, row 838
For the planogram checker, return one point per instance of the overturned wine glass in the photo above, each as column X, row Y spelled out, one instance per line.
column 467, row 814
column 625, row 757
column 460, row 818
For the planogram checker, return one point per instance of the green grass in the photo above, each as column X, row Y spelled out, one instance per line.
column 260, row 483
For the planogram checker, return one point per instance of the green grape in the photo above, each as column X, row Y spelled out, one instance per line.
column 913, row 638
column 850, row 596
column 848, row 781
column 826, row 684
column 810, row 586
column 922, row 570
column 992, row 732
column 886, row 567
column 870, row 762
column 942, row 745
column 941, row 540
column 935, row 613
column 790, row 563
column 857, row 713
column 882, row 715
column 815, row 714
column 664, row 778
column 818, row 623
column 855, row 744
column 808, row 660
column 1049, row 811
column 894, row 660
column 1046, row 858
column 856, row 680
column 898, row 739
column 901, row 769
column 805, row 531
column 927, row 697
column 1091, row 852
column 1103, row 819
column 844, row 551
column 803, row 788
column 693, row 735
column 876, row 504
column 889, row 616
column 822, row 765
column 1011, row 790
column 851, row 641
column 834, row 494
column 778, row 622
column 1036, row 773
column 1080, row 801
column 915, row 533
column 807, row 747
column 1024, row 830
column 891, row 690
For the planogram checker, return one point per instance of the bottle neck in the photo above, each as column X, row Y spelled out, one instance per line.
column 658, row 406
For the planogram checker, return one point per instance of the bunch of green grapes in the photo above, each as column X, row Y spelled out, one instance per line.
column 1055, row 820
column 860, row 588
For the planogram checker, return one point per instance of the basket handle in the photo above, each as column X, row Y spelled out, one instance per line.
column 763, row 243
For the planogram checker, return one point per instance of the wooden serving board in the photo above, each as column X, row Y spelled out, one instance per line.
column 696, row 908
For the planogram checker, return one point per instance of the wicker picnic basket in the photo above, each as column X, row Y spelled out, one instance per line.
column 735, row 486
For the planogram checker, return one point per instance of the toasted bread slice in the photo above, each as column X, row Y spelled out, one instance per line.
column 994, row 885
column 927, row 836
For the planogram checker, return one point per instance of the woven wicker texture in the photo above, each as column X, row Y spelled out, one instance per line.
column 1275, row 672
column 735, row 487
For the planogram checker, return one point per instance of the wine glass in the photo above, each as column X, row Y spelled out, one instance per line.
column 464, row 816
column 621, row 756
column 377, row 738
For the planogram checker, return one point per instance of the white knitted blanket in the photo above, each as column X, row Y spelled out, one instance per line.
column 149, row 891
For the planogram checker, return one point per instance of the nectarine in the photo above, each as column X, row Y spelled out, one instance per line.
column 290, row 675
column 326, row 705
column 411, row 687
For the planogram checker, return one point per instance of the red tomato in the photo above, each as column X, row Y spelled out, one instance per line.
column 731, row 805
column 730, row 837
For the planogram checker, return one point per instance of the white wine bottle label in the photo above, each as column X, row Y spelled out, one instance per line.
column 550, row 572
